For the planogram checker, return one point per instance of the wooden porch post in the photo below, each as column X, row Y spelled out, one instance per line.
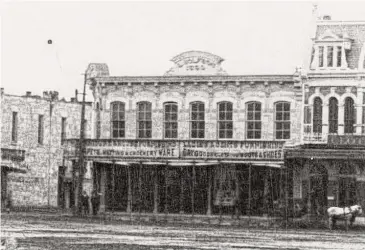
column 166, row 207
column 193, row 190
column 140, row 189
column 129, row 199
column 209, row 200
column 237, row 202
column 155, row 191
column 181, row 190
column 249, row 191
column 102, row 189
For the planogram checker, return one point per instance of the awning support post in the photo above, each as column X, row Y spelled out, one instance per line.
column 209, row 200
column 155, row 191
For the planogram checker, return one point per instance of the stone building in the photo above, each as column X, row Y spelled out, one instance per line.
column 195, row 140
column 33, row 130
column 329, row 166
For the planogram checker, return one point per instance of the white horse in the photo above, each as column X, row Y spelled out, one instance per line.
column 348, row 214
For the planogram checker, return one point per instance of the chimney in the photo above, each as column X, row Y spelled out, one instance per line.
column 76, row 94
column 72, row 99
column 326, row 17
column 2, row 91
column 28, row 93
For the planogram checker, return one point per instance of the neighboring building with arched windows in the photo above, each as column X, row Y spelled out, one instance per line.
column 333, row 138
column 195, row 140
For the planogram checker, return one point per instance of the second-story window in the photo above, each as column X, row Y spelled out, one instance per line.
column 40, row 129
column 14, row 127
column 98, row 121
column 197, row 120
column 63, row 130
column 317, row 115
column 321, row 55
column 170, row 120
column 330, row 56
column 225, row 123
column 339, row 56
column 349, row 115
column 144, row 120
column 282, row 120
column 253, row 127
column 333, row 116
column 118, row 120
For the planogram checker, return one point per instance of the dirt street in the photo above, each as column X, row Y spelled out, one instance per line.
column 48, row 233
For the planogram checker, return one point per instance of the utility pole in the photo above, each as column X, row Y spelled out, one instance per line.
column 81, row 163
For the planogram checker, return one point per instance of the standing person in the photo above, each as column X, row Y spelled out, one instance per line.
column 85, row 203
column 95, row 201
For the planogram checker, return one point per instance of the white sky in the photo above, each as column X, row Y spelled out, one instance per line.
column 141, row 38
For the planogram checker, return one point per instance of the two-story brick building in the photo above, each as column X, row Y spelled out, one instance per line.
column 33, row 130
column 195, row 140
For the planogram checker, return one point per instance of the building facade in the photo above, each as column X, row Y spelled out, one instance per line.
column 329, row 166
column 195, row 140
column 33, row 131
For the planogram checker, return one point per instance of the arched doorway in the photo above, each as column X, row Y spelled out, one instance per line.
column 318, row 177
column 347, row 185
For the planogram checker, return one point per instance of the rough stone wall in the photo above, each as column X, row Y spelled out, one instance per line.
column 268, row 95
column 39, row 186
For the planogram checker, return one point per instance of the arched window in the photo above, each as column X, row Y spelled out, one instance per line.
column 253, row 128
column 349, row 115
column 170, row 120
column 225, row 123
column 317, row 115
column 118, row 120
column 333, row 115
column 282, row 120
column 144, row 120
column 197, row 120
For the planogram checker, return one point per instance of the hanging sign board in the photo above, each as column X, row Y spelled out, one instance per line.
column 233, row 150
column 180, row 149
column 346, row 140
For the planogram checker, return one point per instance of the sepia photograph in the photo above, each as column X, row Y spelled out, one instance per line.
column 170, row 125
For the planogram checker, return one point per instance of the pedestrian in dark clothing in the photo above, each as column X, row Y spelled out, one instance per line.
column 85, row 203
column 95, row 202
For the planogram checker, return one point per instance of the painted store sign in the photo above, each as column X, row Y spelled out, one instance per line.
column 180, row 149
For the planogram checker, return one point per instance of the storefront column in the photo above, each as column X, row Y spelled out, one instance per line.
column 129, row 198
column 266, row 192
column 181, row 190
column 192, row 191
column 249, row 190
column 209, row 198
column 238, row 201
column 140, row 187
column 155, row 191
column 165, row 185
column 102, row 189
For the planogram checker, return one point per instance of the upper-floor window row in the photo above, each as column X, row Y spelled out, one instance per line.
column 349, row 118
column 197, row 120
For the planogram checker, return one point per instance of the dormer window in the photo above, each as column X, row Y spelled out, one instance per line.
column 330, row 51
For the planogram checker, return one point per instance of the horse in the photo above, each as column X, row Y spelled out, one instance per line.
column 348, row 214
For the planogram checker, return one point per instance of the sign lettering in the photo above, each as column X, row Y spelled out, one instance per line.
column 184, row 149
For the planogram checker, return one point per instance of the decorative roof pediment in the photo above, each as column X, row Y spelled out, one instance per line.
column 196, row 63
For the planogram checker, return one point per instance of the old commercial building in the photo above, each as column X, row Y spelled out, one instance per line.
column 195, row 140
column 33, row 130
column 330, row 165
